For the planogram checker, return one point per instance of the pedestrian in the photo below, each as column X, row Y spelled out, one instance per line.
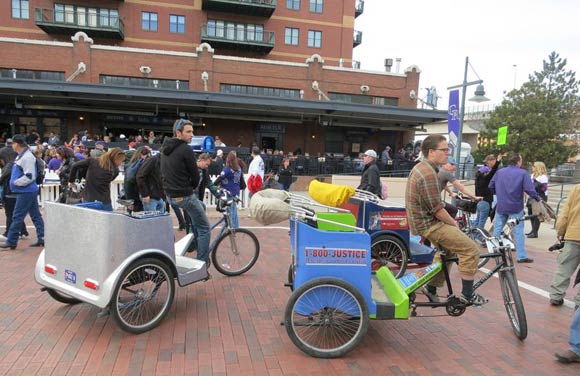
column 540, row 180
column 98, row 150
column 217, row 164
column 482, row 178
column 568, row 230
column 66, row 157
column 23, row 184
column 232, row 179
column 99, row 173
column 370, row 179
column 150, row 184
column 256, row 171
column 7, row 157
column 285, row 175
column 181, row 178
column 509, row 185
column 428, row 218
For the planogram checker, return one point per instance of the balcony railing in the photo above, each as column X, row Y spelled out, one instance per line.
column 357, row 38
column 260, row 8
column 67, row 22
column 359, row 8
column 237, row 38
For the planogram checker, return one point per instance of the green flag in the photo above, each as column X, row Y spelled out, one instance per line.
column 502, row 133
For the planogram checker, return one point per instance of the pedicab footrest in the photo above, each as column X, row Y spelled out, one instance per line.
column 190, row 270
column 385, row 282
column 385, row 308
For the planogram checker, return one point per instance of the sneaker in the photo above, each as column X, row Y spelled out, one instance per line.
column 433, row 298
column 24, row 236
column 476, row 299
column 2, row 238
column 567, row 356
column 556, row 302
column 526, row 260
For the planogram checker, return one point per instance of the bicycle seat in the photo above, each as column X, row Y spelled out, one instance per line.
column 123, row 202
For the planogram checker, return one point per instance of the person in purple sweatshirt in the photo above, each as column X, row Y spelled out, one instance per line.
column 509, row 185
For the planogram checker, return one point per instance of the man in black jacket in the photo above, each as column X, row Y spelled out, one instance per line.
column 371, row 176
column 181, row 180
column 150, row 184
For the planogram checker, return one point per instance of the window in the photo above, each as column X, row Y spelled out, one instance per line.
column 363, row 99
column 82, row 16
column 259, row 91
column 20, row 9
column 293, row 4
column 291, row 36
column 316, row 6
column 143, row 82
column 149, row 21
column 176, row 24
column 314, row 38
column 232, row 31
column 31, row 75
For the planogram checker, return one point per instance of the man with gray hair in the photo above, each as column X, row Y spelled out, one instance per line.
column 370, row 179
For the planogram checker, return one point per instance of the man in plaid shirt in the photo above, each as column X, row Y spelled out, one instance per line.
column 428, row 218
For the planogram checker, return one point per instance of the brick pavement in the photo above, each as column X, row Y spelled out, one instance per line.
column 232, row 326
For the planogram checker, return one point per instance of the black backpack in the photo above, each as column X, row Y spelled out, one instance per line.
column 40, row 170
column 131, row 171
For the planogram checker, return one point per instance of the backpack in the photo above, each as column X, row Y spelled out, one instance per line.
column 131, row 171
column 40, row 170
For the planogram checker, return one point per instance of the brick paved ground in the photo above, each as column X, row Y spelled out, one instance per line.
column 232, row 326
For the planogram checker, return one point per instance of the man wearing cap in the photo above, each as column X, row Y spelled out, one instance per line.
column 428, row 218
column 98, row 150
column 370, row 179
column 446, row 175
column 23, row 184
column 181, row 180
column 509, row 185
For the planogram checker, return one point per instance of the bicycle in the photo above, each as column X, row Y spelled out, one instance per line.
column 466, row 207
column 500, row 249
column 235, row 250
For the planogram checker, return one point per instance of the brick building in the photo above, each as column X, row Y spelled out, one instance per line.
column 279, row 73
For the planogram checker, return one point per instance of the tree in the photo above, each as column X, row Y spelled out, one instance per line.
column 539, row 115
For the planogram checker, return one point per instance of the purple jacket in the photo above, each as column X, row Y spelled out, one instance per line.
column 509, row 185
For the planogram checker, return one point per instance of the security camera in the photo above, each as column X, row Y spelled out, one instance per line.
column 145, row 69
column 365, row 88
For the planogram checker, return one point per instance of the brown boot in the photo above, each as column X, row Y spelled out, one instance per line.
column 568, row 356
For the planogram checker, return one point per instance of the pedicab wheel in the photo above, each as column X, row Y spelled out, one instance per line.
column 390, row 251
column 513, row 304
column 326, row 317
column 474, row 235
column 235, row 252
column 143, row 295
column 62, row 297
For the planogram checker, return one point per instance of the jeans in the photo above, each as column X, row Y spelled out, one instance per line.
column 233, row 210
column 26, row 203
column 568, row 262
column 574, row 339
column 483, row 209
column 201, row 228
column 9, row 204
column 155, row 205
column 519, row 236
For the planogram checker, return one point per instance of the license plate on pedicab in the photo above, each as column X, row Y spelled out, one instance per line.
column 70, row 276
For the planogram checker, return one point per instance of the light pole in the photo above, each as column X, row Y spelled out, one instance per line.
column 479, row 97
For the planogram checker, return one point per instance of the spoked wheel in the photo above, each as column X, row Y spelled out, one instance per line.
column 326, row 317
column 143, row 295
column 513, row 304
column 235, row 252
column 390, row 251
column 62, row 297
column 475, row 236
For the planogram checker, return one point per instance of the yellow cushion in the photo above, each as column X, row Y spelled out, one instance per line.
column 330, row 194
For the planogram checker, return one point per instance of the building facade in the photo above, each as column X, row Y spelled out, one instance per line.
column 278, row 73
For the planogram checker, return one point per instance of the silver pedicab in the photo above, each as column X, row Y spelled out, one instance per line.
column 124, row 264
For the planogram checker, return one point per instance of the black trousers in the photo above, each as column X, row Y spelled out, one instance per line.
column 9, row 203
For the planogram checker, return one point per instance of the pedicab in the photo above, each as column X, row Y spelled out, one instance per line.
column 125, row 264
column 336, row 292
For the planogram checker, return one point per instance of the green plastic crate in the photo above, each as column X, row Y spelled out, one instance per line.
column 342, row 218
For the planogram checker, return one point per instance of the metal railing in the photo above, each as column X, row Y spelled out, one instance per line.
column 257, row 2
column 357, row 37
column 235, row 35
column 359, row 7
column 82, row 19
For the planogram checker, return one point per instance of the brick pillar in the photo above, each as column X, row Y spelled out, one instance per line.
column 81, row 54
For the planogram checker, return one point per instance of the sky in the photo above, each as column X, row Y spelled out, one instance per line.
column 495, row 35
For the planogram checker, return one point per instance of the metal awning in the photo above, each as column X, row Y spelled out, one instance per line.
column 66, row 96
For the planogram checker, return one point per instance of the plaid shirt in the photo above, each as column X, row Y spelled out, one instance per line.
column 423, row 197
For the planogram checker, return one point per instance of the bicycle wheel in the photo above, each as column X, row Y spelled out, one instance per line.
column 513, row 304
column 475, row 236
column 62, row 297
column 390, row 251
column 326, row 317
column 143, row 296
column 235, row 252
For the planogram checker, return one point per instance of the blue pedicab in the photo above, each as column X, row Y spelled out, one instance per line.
column 125, row 264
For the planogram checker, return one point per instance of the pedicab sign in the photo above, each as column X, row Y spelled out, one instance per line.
column 335, row 256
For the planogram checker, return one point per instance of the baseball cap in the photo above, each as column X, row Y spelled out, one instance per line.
column 102, row 143
column 371, row 153
column 220, row 152
column 19, row 139
column 452, row 161
column 132, row 144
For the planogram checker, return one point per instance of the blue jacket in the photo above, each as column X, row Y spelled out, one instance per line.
column 23, row 179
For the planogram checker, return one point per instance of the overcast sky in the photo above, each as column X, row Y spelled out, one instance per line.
column 496, row 35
